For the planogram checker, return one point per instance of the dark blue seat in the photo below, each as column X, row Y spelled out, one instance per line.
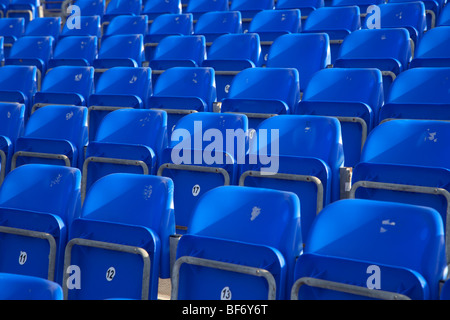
column 28, row 9
column 362, row 4
column 306, row 7
column 91, row 8
column 433, row 49
column 153, row 9
column 199, row 7
column 216, row 23
column 74, row 51
column 353, row 252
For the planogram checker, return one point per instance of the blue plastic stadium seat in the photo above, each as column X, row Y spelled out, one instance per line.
column 126, row 24
column 66, row 85
column 308, row 53
column 12, row 121
column 199, row 7
column 433, row 49
column 167, row 25
column 387, row 49
column 361, row 249
column 53, row 135
column 89, row 26
column 405, row 161
column 21, row 287
column 74, row 51
column 354, row 95
column 216, row 23
column 37, row 204
column 153, row 9
column 116, row 8
column 183, row 90
column 270, row 24
column 419, row 93
column 230, row 54
column 120, row 255
column 18, row 84
column 433, row 10
column 28, row 9
column 242, row 243
column 45, row 26
column 300, row 154
column 337, row 22
column 91, row 7
column 127, row 140
column 444, row 17
column 306, row 7
column 249, row 8
column 362, row 4
column 11, row 29
column 119, row 87
column 194, row 167
column 261, row 93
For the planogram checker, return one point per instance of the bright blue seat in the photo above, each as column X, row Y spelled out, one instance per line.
column 360, row 249
column 116, row 8
column 11, row 29
column 65, row 85
column 419, row 93
column 216, row 23
column 119, row 87
column 199, row 7
column 433, row 10
column 270, row 24
column 191, row 164
column 126, row 24
column 89, row 26
column 229, row 54
column 337, row 22
column 249, row 8
column 37, row 205
column 445, row 291
column 306, row 7
column 183, row 90
column 444, row 17
column 18, row 84
column 362, row 4
column 45, row 26
column 433, row 49
column 28, row 9
column 12, row 121
column 120, row 255
column 354, row 96
column 300, row 154
column 91, row 7
column 405, row 161
column 308, row 53
column 387, row 49
column 74, row 51
column 127, row 140
column 237, row 248
column 153, row 9
column 167, row 25
column 261, row 93
column 53, row 135
column 20, row 287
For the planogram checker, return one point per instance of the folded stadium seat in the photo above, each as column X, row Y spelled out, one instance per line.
column 353, row 252
column 433, row 49
column 74, row 51
column 199, row 7
column 433, row 10
column 242, row 245
column 18, row 84
column 405, row 161
column 20, row 287
column 121, row 255
column 12, row 121
column 127, row 140
column 409, row 15
column 216, row 23
column 300, row 154
column 444, row 17
column 45, row 26
column 89, row 26
column 91, row 7
column 261, row 93
column 126, row 24
column 119, row 87
column 54, row 135
column 337, row 22
column 177, row 51
column 196, row 169
column 122, row 50
column 153, row 9
column 362, row 4
column 229, row 54
column 305, row 7
column 419, row 93
column 65, row 85
column 308, row 53
column 116, row 8
column 11, row 29
column 32, row 51
column 27, row 9
column 183, row 90
column 270, row 24
column 249, row 8
column 37, row 205
column 387, row 49
column 167, row 25
column 354, row 96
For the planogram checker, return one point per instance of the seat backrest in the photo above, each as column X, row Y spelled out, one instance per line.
column 276, row 22
column 12, row 27
column 22, row 287
column 123, row 7
column 294, row 51
column 123, row 46
column 198, row 7
column 238, row 46
column 89, row 26
column 12, row 118
column 362, row 4
column 444, row 17
column 45, row 26
column 251, row 5
column 37, row 47
column 154, row 9
column 69, row 79
column 127, row 24
column 172, row 24
column 188, row 50
column 19, row 78
column 433, row 49
column 215, row 23
column 91, row 8
column 306, row 7
column 75, row 50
